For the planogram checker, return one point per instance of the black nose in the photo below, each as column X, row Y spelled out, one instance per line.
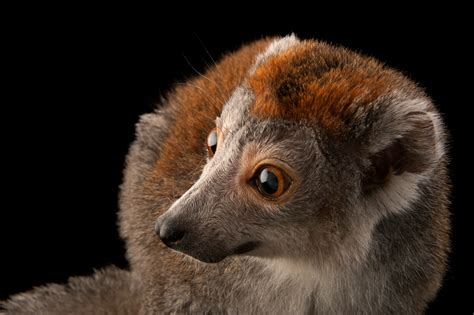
column 170, row 233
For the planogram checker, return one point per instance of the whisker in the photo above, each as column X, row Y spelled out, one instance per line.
column 218, row 99
column 199, row 73
column 205, row 49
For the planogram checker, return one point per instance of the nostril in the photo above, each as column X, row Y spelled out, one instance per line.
column 173, row 237
column 169, row 234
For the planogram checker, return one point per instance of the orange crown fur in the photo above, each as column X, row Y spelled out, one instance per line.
column 314, row 82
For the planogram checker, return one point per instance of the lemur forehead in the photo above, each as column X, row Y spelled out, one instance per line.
column 236, row 110
column 316, row 82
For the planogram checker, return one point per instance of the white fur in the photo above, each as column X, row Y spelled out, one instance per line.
column 237, row 107
column 277, row 47
column 299, row 279
column 400, row 108
column 440, row 141
column 302, row 283
column 390, row 124
column 397, row 196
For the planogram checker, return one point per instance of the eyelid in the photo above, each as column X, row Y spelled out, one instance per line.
column 224, row 131
column 220, row 126
column 273, row 162
column 218, row 122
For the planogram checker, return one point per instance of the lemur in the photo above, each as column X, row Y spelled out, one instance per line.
column 292, row 177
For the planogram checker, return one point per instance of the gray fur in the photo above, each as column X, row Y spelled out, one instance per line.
column 343, row 243
column 108, row 291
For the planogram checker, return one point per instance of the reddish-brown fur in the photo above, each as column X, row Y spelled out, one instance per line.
column 197, row 104
column 314, row 82
column 200, row 102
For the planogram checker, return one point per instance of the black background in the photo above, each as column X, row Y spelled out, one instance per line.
column 76, row 84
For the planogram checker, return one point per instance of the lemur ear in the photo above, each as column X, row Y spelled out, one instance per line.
column 403, row 142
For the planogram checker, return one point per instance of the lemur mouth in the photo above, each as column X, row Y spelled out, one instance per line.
column 245, row 248
column 212, row 259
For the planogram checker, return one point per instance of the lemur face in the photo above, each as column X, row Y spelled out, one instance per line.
column 253, row 192
column 309, row 152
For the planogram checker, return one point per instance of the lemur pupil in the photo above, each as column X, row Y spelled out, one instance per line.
column 212, row 142
column 268, row 181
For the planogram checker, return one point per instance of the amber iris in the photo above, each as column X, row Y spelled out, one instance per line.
column 271, row 181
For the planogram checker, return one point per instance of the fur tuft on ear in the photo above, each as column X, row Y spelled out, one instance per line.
column 407, row 138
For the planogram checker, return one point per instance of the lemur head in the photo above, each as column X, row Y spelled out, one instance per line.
column 314, row 147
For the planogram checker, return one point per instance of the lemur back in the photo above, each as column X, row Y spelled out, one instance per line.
column 292, row 177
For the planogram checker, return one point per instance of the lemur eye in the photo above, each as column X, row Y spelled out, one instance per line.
column 271, row 181
column 212, row 140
